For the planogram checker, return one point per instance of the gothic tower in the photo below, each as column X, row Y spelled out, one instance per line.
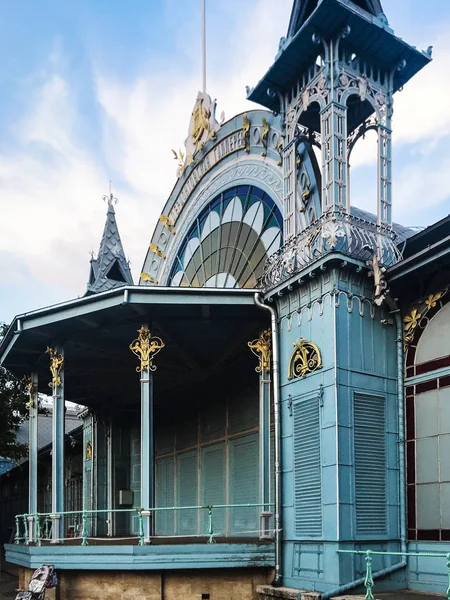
column 342, row 452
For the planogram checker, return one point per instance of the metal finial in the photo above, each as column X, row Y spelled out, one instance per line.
column 110, row 199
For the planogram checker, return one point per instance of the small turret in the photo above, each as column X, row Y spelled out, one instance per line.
column 110, row 269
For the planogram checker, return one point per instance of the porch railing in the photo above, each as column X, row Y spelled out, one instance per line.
column 39, row 528
column 368, row 581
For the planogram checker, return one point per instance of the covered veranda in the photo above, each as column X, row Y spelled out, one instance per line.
column 177, row 445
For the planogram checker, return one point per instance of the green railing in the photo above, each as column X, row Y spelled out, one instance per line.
column 39, row 528
column 368, row 582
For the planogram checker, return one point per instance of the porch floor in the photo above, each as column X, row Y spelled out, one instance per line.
column 398, row 595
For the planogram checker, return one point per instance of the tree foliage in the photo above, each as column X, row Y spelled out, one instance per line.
column 13, row 410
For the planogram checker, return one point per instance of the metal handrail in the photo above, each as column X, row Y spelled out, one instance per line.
column 368, row 582
column 30, row 525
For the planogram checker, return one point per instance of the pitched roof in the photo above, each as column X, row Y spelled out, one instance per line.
column 110, row 269
column 302, row 10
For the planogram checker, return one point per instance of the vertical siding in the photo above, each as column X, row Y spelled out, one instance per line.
column 187, row 486
column 213, row 485
column 243, row 485
column 165, row 496
column 370, row 464
column 307, row 468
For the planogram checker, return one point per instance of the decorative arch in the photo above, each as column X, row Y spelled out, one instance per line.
column 229, row 241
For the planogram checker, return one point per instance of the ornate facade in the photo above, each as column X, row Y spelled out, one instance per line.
column 288, row 420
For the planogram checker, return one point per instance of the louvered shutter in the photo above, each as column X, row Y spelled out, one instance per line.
column 243, row 485
column 187, row 493
column 213, row 486
column 370, row 464
column 164, row 494
column 307, row 468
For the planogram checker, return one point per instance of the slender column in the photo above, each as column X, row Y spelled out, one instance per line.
column 109, row 478
column 384, row 176
column 261, row 347
column 334, row 157
column 58, row 431
column 32, row 389
column 146, row 346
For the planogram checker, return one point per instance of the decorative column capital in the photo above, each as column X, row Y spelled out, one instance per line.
column 145, row 347
column 262, row 348
column 56, row 365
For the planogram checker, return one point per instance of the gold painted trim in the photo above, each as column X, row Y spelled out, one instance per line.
column 145, row 347
column 262, row 348
column 149, row 278
column 305, row 359
column 167, row 223
column 154, row 248
column 29, row 389
column 88, row 455
column 246, row 132
column 56, row 365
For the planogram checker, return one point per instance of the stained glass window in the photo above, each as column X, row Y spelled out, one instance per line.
column 229, row 241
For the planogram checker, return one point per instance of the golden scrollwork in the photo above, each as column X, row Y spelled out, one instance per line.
column 280, row 150
column 412, row 320
column 165, row 220
column 146, row 347
column 246, row 132
column 56, row 365
column 29, row 389
column 88, row 454
column 305, row 359
column 265, row 136
column 154, row 248
column 262, row 348
column 149, row 278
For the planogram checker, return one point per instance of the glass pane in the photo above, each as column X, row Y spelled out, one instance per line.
column 444, row 458
column 445, row 505
column 444, row 410
column 428, row 514
column 426, row 414
column 427, row 460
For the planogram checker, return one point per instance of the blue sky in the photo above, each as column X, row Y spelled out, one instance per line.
column 94, row 90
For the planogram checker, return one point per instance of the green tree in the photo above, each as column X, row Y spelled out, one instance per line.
column 13, row 410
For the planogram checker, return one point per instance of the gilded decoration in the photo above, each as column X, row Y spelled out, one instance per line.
column 29, row 389
column 280, row 150
column 149, row 278
column 417, row 316
column 88, row 454
column 262, row 348
column 265, row 136
column 305, row 359
column 246, row 132
column 167, row 223
column 56, row 364
column 145, row 347
column 154, row 248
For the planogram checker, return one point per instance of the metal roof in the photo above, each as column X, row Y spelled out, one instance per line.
column 370, row 37
column 110, row 269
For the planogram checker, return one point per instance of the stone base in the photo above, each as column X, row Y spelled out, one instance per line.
column 267, row 592
column 208, row 584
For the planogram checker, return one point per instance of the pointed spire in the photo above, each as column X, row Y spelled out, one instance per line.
column 110, row 269
column 302, row 10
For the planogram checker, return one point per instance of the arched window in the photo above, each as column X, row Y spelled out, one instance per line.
column 229, row 241
column 428, row 422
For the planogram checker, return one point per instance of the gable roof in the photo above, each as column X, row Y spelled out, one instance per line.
column 302, row 10
column 110, row 269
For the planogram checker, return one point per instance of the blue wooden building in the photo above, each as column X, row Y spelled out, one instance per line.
column 270, row 406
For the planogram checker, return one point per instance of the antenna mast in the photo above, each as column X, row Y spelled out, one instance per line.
column 204, row 45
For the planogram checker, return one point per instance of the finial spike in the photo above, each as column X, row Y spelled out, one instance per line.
column 110, row 199
column 204, row 45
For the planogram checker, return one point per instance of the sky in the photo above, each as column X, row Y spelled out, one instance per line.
column 99, row 90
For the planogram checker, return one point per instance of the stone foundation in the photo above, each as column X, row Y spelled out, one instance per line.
column 211, row 584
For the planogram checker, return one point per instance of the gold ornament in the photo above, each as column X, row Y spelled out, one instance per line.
column 262, row 348
column 146, row 347
column 88, row 450
column 305, row 359
column 56, row 364
column 246, row 132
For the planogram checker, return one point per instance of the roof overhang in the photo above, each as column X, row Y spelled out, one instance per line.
column 201, row 327
column 370, row 35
